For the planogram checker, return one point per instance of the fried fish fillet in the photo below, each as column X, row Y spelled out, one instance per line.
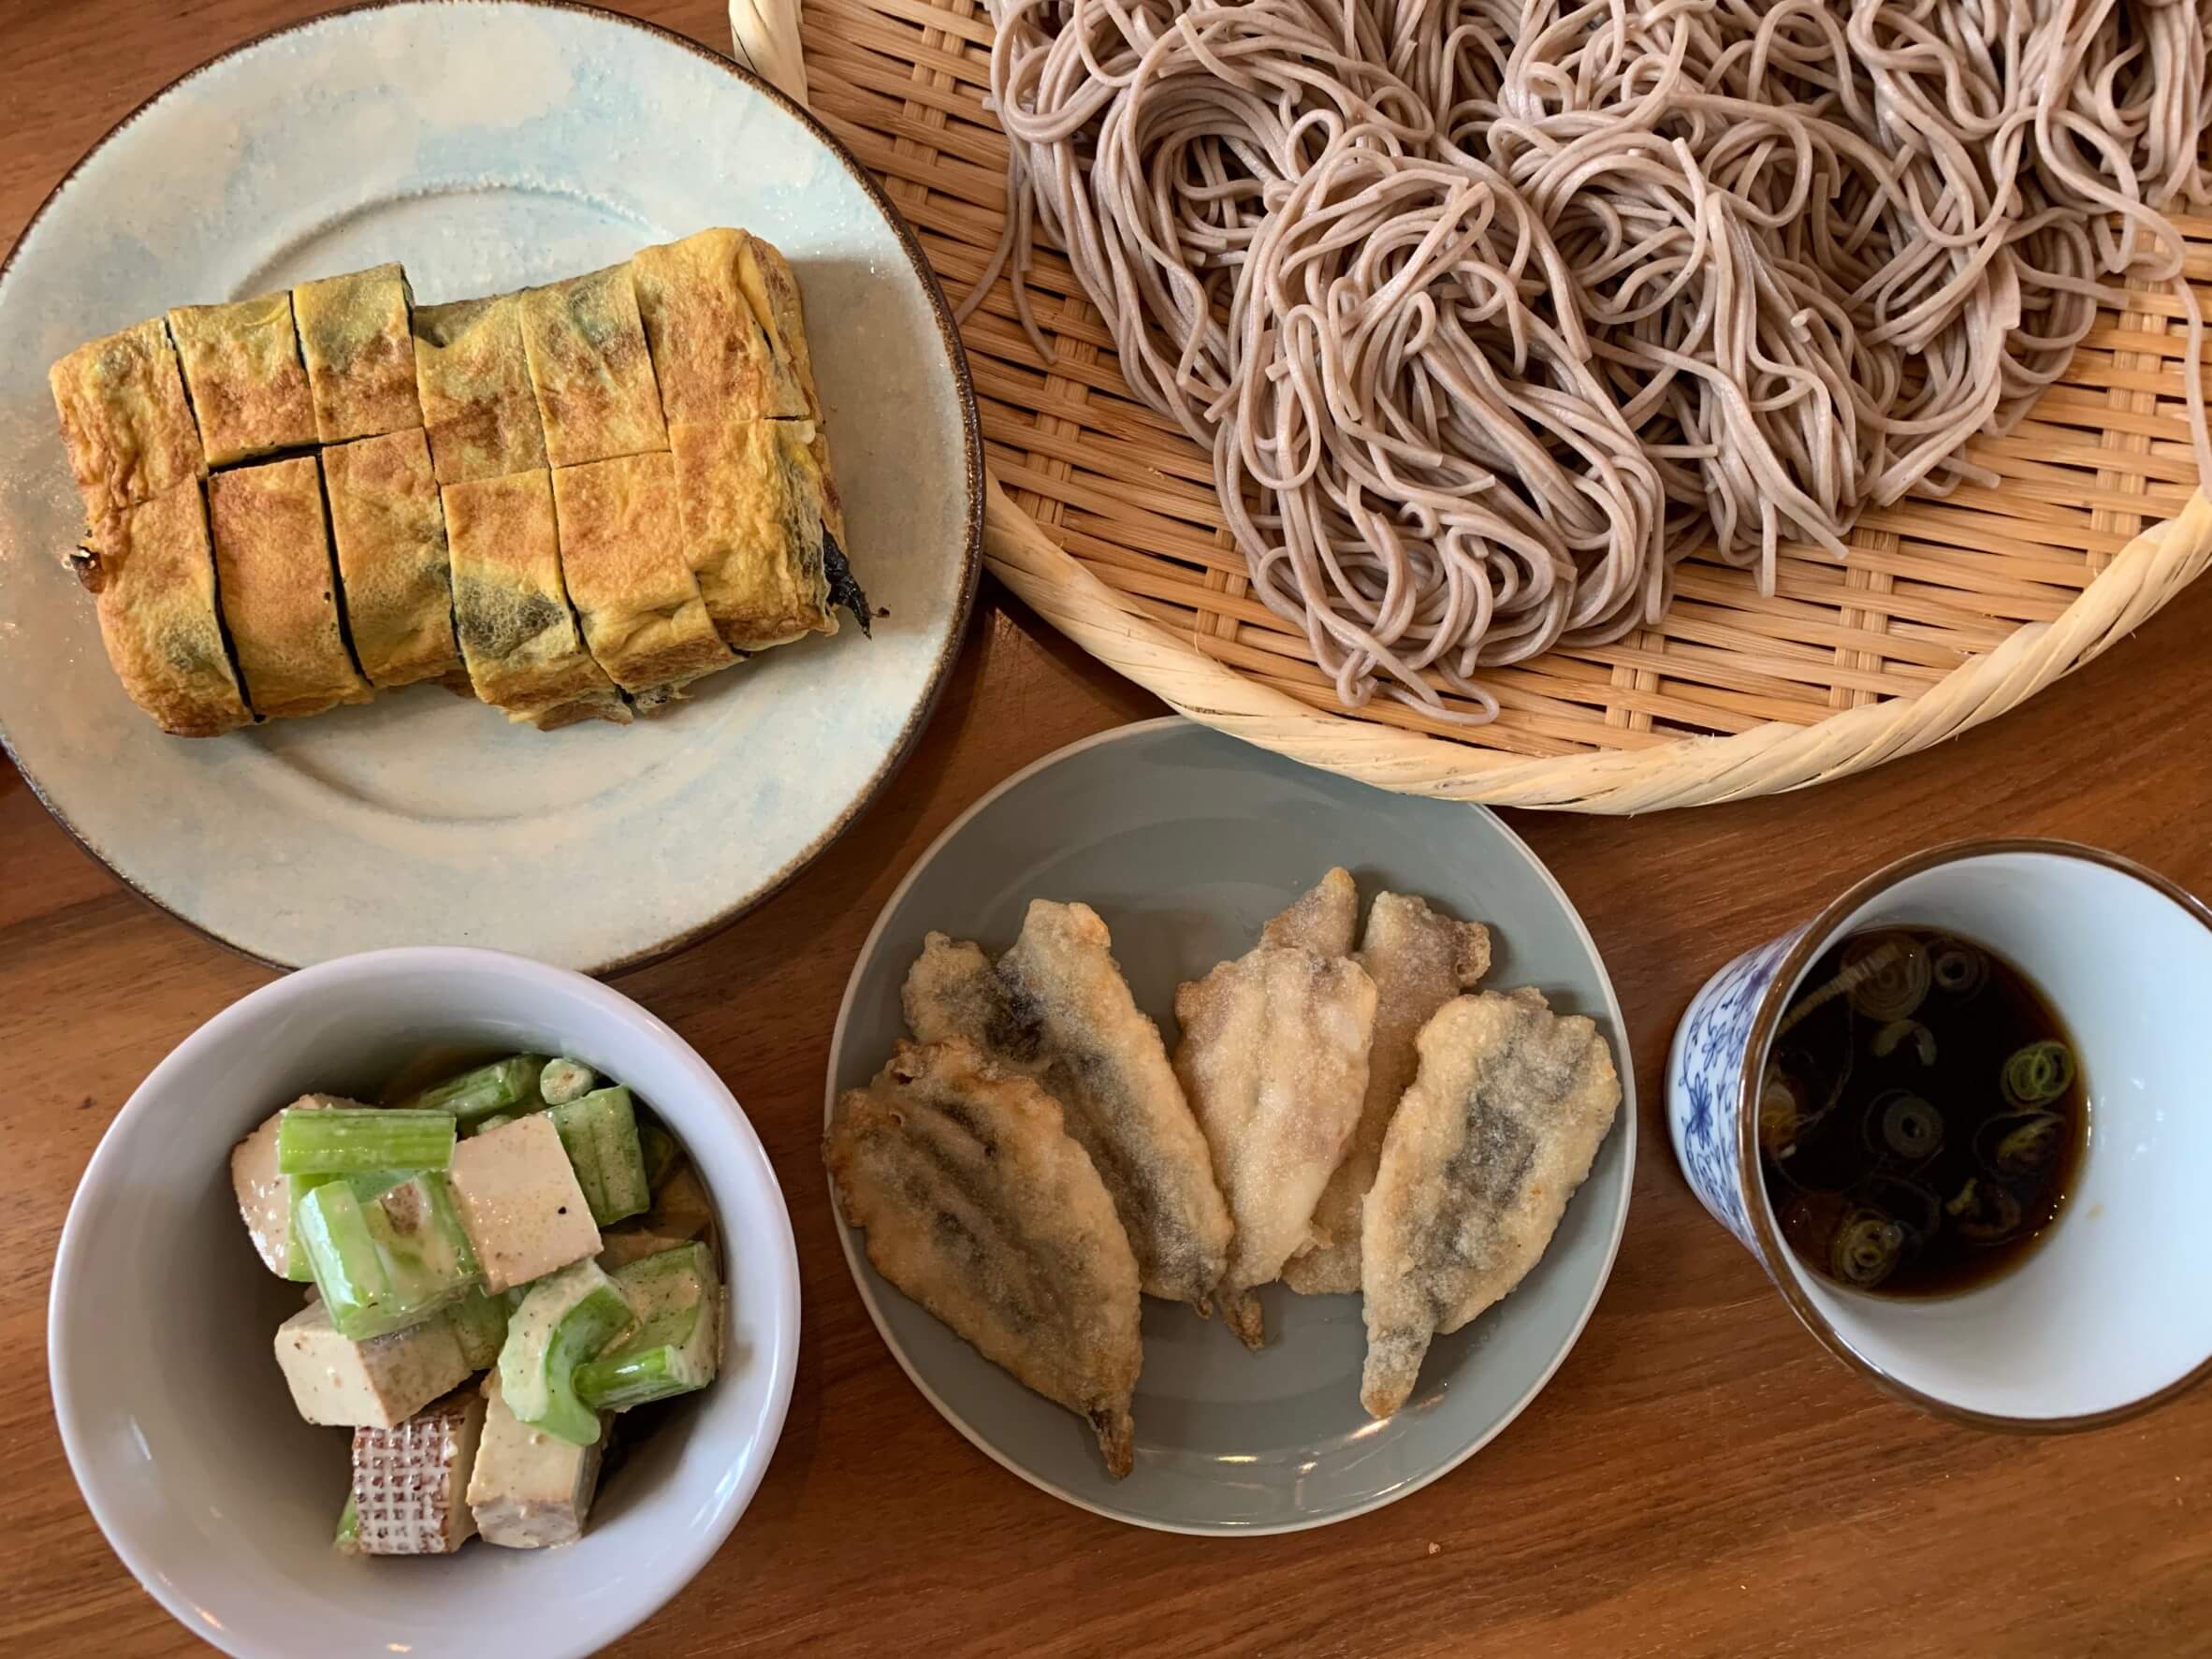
column 1273, row 1056
column 1488, row 1145
column 980, row 1206
column 1419, row 962
column 1056, row 1007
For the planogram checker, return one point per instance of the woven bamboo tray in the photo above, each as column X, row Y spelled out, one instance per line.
column 1102, row 517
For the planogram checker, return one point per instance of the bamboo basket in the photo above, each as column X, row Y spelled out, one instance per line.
column 1102, row 517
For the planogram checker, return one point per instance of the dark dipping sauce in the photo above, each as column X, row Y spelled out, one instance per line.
column 1922, row 1116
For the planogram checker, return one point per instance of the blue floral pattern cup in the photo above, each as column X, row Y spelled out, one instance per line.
column 1704, row 1093
column 2079, row 1333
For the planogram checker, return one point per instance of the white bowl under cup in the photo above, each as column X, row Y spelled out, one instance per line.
column 162, row 1324
column 2109, row 1313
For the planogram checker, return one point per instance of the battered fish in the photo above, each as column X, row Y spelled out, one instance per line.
column 1273, row 1056
column 1419, row 962
column 1323, row 921
column 1056, row 1009
column 982, row 1209
column 1488, row 1145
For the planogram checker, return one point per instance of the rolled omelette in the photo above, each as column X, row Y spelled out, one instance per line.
column 780, row 287
column 474, row 381
column 750, row 496
column 153, row 585
column 622, row 556
column 511, row 608
column 359, row 353
column 719, row 339
column 243, row 373
column 124, row 421
column 591, row 368
column 389, row 529
column 714, row 537
column 279, row 588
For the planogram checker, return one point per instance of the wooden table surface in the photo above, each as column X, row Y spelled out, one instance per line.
column 1699, row 1477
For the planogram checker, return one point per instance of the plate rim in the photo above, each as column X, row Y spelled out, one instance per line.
column 971, row 551
column 1624, row 1120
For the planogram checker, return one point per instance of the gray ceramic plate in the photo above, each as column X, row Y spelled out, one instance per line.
column 487, row 146
column 1185, row 841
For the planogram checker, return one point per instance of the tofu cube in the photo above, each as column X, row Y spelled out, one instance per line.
column 410, row 1481
column 264, row 1196
column 530, row 1489
column 373, row 1384
column 520, row 1203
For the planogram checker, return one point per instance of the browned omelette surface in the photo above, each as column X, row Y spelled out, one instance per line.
column 622, row 551
column 154, row 585
column 576, row 500
column 124, row 420
column 390, row 530
column 359, row 353
column 279, row 588
column 511, row 608
column 243, row 374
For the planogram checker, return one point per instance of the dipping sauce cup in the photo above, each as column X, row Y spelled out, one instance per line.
column 2111, row 1313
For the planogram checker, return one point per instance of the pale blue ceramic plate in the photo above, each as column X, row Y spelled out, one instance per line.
column 1185, row 841
column 487, row 146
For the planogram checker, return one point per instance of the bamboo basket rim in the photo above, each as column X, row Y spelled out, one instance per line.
column 1100, row 517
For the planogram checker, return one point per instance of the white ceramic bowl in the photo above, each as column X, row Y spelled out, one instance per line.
column 160, row 1332
column 2109, row 1315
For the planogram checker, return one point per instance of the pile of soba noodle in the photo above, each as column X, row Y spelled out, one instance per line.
column 1491, row 313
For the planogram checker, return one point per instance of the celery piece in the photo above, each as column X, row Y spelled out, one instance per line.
column 660, row 1149
column 348, row 1541
column 484, row 1125
column 599, row 1132
column 386, row 1262
column 375, row 1184
column 342, row 1141
column 480, row 1320
column 570, row 1316
column 296, row 1265
column 676, row 1296
column 504, row 1085
column 564, row 1081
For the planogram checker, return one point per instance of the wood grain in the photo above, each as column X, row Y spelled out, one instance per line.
column 1699, row 1479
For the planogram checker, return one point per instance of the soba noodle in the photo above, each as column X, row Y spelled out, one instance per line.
column 1488, row 313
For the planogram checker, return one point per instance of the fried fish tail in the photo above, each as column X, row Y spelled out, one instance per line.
column 1117, row 1431
column 1488, row 1145
column 1241, row 1312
